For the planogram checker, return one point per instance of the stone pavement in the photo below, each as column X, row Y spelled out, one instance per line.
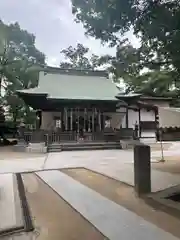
column 117, row 164
column 125, row 173
column 111, row 219
column 10, row 208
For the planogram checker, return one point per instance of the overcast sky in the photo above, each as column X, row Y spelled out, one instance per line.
column 51, row 21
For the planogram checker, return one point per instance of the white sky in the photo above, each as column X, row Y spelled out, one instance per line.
column 51, row 21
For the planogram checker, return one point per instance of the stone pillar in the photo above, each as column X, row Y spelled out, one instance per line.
column 142, row 169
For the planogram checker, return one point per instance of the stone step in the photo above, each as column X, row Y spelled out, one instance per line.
column 83, row 146
column 148, row 140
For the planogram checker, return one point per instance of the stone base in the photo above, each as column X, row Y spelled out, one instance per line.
column 128, row 144
column 20, row 146
column 36, row 148
column 148, row 140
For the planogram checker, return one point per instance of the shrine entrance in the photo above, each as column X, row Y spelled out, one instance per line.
column 84, row 124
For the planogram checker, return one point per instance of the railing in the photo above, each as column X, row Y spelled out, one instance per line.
column 57, row 137
column 50, row 137
column 34, row 136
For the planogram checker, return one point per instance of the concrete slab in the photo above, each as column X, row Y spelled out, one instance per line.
column 125, row 173
column 114, row 221
column 10, row 208
column 117, row 164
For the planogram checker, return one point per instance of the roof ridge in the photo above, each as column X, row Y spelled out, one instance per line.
column 81, row 72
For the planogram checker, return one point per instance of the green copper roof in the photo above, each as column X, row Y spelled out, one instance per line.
column 79, row 87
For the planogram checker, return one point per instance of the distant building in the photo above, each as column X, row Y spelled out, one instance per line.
column 80, row 102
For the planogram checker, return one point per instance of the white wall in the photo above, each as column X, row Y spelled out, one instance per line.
column 122, row 111
column 133, row 117
column 169, row 117
column 147, row 115
column 159, row 103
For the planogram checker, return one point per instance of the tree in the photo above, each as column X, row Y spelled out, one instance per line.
column 25, row 76
column 125, row 64
column 20, row 62
column 16, row 46
column 77, row 58
column 155, row 22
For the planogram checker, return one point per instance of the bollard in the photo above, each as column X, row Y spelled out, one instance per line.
column 142, row 169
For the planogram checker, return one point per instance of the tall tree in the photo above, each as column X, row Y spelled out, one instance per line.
column 126, row 64
column 20, row 61
column 16, row 46
column 155, row 22
column 77, row 58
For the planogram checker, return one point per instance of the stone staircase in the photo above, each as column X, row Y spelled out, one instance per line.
column 77, row 146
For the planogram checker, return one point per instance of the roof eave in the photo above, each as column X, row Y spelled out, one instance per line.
column 24, row 93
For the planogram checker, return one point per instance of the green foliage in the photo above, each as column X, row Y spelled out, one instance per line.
column 20, row 63
column 155, row 22
column 77, row 58
column 157, row 25
column 102, row 19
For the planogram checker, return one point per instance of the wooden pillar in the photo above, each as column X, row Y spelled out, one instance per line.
column 62, row 120
column 139, row 122
column 66, row 118
column 85, row 114
column 89, row 123
column 78, row 120
column 127, row 118
column 99, row 119
column 71, row 119
column 93, row 112
column 39, row 121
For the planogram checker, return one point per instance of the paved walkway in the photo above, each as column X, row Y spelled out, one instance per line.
column 9, row 203
column 112, row 220
column 117, row 164
column 125, row 173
